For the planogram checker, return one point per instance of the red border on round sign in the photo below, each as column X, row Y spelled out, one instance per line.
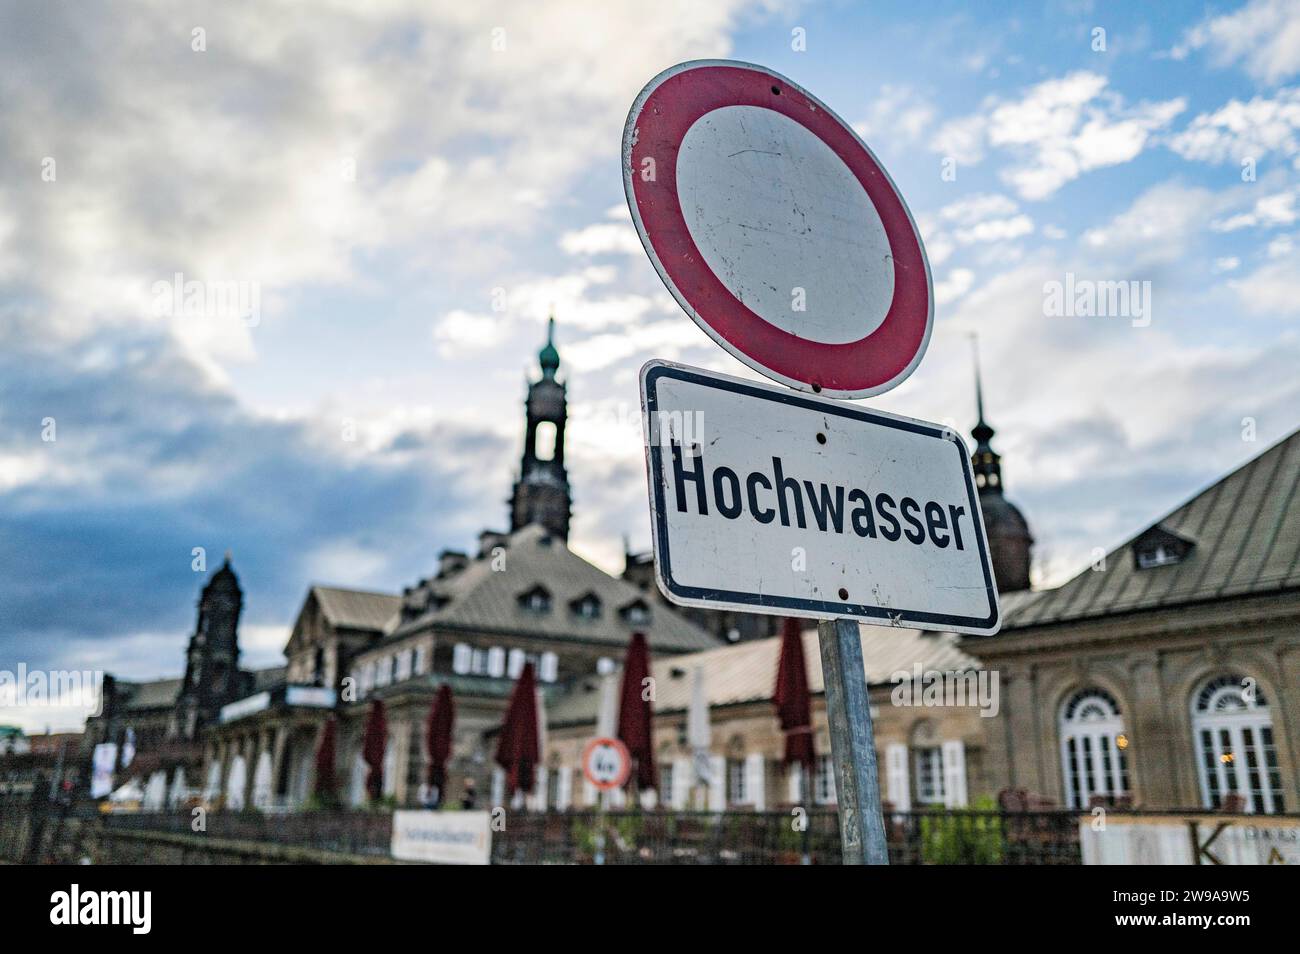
column 659, row 119
column 623, row 751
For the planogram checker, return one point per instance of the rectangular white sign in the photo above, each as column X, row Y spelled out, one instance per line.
column 1190, row 840
column 769, row 501
column 447, row 837
column 102, row 761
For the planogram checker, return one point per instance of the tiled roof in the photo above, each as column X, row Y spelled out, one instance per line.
column 1245, row 531
column 357, row 609
column 746, row 672
column 482, row 599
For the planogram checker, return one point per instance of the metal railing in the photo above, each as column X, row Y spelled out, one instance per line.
column 665, row 837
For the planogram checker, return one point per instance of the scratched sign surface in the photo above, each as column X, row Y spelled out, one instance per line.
column 768, row 501
column 777, row 229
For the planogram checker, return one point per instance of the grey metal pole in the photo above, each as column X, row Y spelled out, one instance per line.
column 853, row 745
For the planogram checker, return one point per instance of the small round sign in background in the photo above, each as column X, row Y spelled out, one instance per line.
column 606, row 763
column 777, row 229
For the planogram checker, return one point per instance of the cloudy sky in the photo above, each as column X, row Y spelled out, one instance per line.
column 411, row 185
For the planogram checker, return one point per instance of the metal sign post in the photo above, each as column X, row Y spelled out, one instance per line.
column 782, row 236
column 853, row 744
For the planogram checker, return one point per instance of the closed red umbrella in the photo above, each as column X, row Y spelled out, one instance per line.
column 518, row 748
column 437, row 737
column 636, row 713
column 793, row 699
column 326, row 783
column 372, row 749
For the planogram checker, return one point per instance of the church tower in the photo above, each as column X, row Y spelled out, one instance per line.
column 541, row 494
column 1010, row 543
column 212, row 676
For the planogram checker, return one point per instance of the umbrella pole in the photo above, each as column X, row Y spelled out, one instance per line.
column 853, row 747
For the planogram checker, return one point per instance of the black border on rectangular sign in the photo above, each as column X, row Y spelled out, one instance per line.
column 824, row 609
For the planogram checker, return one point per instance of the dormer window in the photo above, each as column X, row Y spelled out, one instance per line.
column 536, row 600
column 586, row 607
column 1159, row 556
column 636, row 613
column 1160, row 547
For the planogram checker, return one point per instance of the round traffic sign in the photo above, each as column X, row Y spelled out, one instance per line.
column 777, row 229
column 606, row 763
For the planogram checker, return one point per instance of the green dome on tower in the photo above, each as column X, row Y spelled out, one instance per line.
column 548, row 356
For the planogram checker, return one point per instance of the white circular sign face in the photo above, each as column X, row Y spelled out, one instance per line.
column 782, row 222
column 606, row 763
column 776, row 229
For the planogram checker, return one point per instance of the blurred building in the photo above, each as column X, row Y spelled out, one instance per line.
column 1168, row 673
column 154, row 727
column 928, row 756
column 524, row 596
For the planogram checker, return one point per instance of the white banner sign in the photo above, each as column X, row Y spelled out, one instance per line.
column 768, row 501
column 445, row 837
column 102, row 763
column 1191, row 839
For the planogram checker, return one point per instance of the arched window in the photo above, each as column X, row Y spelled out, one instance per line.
column 1235, row 755
column 1093, row 748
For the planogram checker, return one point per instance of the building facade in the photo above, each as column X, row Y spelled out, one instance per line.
column 1167, row 674
column 524, row 596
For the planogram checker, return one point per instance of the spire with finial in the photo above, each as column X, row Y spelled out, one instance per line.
column 541, row 494
column 1009, row 539
column 548, row 356
column 986, row 462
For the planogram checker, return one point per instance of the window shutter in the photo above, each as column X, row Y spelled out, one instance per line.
column 683, row 775
column 539, row 790
column 498, row 787
column 496, row 662
column 954, row 774
column 717, row 783
column 358, row 781
column 550, row 667
column 564, row 789
column 389, row 786
column 755, row 781
column 461, row 659
column 896, row 766
column 516, row 664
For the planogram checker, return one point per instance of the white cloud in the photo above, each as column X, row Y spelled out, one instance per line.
column 1157, row 228
column 995, row 230
column 957, row 283
column 1278, row 208
column 975, row 208
column 461, row 333
column 1273, row 288
column 1057, row 131
column 1263, row 36
column 899, row 112
column 1243, row 130
column 602, row 238
column 246, row 163
column 962, row 139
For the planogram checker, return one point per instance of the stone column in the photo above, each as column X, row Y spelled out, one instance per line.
column 279, row 771
column 1154, row 759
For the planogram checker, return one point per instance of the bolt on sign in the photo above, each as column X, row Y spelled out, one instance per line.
column 777, row 502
